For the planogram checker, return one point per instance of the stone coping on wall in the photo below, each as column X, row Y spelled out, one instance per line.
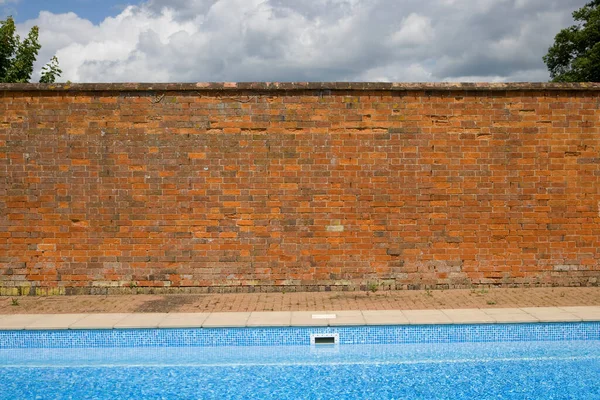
column 299, row 86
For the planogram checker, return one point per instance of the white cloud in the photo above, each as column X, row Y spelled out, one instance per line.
column 397, row 72
column 414, row 30
column 320, row 40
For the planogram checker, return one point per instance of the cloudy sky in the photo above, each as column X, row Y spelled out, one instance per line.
column 295, row 40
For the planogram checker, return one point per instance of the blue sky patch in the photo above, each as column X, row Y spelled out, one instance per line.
column 94, row 10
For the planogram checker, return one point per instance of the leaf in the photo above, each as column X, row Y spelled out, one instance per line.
column 21, row 67
column 8, row 45
column 575, row 55
column 51, row 71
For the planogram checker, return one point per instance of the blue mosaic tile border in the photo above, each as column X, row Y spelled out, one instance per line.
column 214, row 337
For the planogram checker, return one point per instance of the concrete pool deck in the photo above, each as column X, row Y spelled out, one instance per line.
column 461, row 306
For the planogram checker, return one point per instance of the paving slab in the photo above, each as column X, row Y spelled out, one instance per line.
column 301, row 301
column 55, row 321
column 385, row 317
column 426, row 317
column 347, row 318
column 141, row 321
column 581, row 309
column 98, row 321
column 226, row 320
column 270, row 318
column 469, row 316
column 18, row 321
column 305, row 318
column 591, row 313
column 510, row 315
column 502, row 311
column 183, row 320
column 551, row 314
column 298, row 318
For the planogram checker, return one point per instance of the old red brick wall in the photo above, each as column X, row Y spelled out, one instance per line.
column 105, row 188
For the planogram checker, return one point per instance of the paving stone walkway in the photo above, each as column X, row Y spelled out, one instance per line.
column 321, row 301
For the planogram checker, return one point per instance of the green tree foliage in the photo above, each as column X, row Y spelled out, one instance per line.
column 17, row 57
column 51, row 71
column 575, row 55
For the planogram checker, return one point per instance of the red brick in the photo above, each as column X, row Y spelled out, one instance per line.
column 441, row 188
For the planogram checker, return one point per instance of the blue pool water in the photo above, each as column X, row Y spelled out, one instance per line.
column 442, row 362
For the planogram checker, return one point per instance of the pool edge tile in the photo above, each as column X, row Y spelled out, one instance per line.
column 55, row 321
column 140, row 321
column 384, row 317
column 226, row 320
column 17, row 322
column 99, row 321
column 183, row 320
column 305, row 319
column 269, row 319
column 551, row 314
column 427, row 317
column 347, row 318
column 469, row 316
column 299, row 318
column 587, row 314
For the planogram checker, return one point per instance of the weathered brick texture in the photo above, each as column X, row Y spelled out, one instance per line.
column 297, row 187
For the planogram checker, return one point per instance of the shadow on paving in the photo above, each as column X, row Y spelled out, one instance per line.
column 165, row 304
column 299, row 301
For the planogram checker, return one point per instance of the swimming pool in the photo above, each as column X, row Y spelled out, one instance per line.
column 507, row 361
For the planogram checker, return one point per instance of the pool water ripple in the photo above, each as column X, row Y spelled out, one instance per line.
column 565, row 367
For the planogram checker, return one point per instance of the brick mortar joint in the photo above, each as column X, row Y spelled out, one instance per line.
column 300, row 86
